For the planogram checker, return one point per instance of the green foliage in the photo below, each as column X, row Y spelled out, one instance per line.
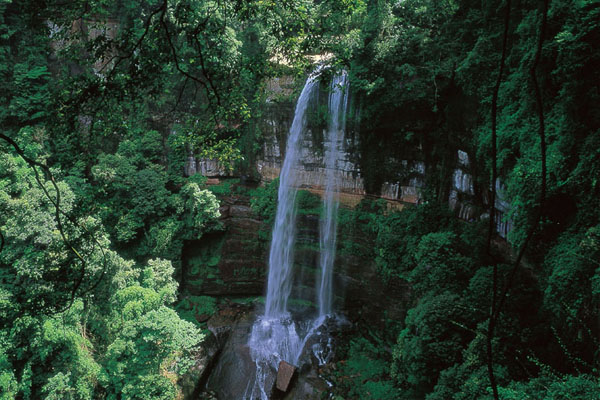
column 36, row 257
column 133, row 188
column 9, row 385
column 464, row 381
column 438, row 265
column 72, row 375
column 25, row 83
column 431, row 341
column 127, row 315
column 399, row 234
column 308, row 203
column 572, row 263
column 147, row 349
column 264, row 201
column 149, row 344
column 225, row 188
column 201, row 209
column 364, row 373
column 201, row 259
column 552, row 387
column 158, row 276
column 360, row 226
column 149, row 218
column 192, row 306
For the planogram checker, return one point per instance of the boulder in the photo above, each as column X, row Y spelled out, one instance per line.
column 285, row 374
column 234, row 368
column 191, row 382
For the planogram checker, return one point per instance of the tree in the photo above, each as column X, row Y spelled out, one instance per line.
column 151, row 346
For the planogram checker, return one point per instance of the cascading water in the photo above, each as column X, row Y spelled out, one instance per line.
column 276, row 336
column 281, row 256
column 338, row 102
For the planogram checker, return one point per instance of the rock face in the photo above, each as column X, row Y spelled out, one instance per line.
column 462, row 194
column 207, row 167
column 405, row 189
column 205, row 356
column 231, row 262
column 277, row 118
column 285, row 375
column 312, row 170
column 235, row 367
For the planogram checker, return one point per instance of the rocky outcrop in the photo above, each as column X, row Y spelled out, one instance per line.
column 234, row 372
column 462, row 191
column 190, row 383
column 462, row 194
column 231, row 262
column 411, row 174
column 231, row 374
column 207, row 167
column 285, row 376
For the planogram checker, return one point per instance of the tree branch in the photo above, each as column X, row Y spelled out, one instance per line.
column 495, row 315
column 176, row 59
column 205, row 71
column 137, row 43
column 492, row 221
column 33, row 164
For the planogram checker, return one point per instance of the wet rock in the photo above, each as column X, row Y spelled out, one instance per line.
column 285, row 375
column 224, row 320
column 234, row 369
column 241, row 211
column 224, row 211
column 204, row 358
column 202, row 317
column 244, row 225
column 241, row 271
column 208, row 396
column 308, row 386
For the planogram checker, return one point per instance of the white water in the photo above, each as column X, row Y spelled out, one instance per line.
column 281, row 256
column 276, row 336
column 338, row 102
column 272, row 340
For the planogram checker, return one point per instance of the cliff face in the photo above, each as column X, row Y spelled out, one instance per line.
column 231, row 262
column 275, row 126
column 234, row 262
column 406, row 188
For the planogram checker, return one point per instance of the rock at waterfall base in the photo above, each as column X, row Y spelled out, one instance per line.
column 285, row 375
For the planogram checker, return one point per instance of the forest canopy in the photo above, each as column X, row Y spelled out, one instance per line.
column 102, row 103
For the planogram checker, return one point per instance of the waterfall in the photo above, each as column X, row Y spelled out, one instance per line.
column 274, row 336
column 281, row 256
column 338, row 102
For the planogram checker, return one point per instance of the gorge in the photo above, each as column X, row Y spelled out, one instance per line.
column 300, row 199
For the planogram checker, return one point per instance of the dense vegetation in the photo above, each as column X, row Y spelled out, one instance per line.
column 101, row 103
